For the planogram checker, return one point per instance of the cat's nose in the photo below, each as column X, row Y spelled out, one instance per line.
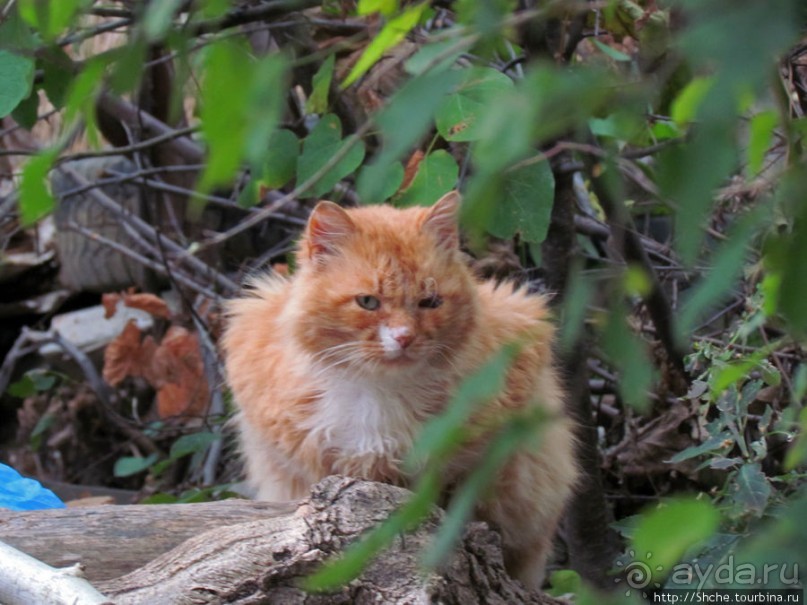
column 404, row 337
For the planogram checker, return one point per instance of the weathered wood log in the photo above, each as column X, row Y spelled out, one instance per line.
column 110, row 541
column 263, row 560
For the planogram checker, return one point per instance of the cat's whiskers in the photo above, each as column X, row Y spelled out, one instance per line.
column 447, row 353
column 348, row 353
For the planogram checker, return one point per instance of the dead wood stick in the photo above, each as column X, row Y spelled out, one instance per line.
column 25, row 580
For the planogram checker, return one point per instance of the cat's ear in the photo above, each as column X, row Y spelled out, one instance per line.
column 327, row 227
column 441, row 220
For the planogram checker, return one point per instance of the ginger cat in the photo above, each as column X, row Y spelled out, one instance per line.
column 336, row 369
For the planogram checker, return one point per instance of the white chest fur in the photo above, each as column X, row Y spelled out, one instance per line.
column 361, row 419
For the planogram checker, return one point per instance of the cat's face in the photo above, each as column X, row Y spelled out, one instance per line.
column 382, row 290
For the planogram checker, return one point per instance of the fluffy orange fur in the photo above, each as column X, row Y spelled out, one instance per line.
column 336, row 369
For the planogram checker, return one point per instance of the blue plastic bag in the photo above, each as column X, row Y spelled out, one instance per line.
column 20, row 493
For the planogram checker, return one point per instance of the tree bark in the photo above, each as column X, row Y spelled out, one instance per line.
column 263, row 559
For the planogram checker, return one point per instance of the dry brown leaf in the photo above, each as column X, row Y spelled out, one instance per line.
column 177, row 371
column 149, row 303
column 148, row 349
column 110, row 303
column 122, row 356
column 185, row 399
column 411, row 169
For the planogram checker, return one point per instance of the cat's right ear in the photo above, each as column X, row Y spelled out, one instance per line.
column 327, row 227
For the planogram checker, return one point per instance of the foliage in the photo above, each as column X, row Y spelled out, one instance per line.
column 636, row 113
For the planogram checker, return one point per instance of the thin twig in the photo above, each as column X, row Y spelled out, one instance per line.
column 95, row 31
column 125, row 177
column 213, row 199
column 127, row 113
column 134, row 147
column 242, row 16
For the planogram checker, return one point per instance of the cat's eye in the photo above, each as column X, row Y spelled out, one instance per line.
column 365, row 301
column 430, row 302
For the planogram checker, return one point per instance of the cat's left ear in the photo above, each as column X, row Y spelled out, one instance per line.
column 327, row 227
column 442, row 220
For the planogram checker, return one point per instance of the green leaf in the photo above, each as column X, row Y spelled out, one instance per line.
column 385, row 7
column 518, row 431
column 131, row 465
column 525, row 203
column 629, row 353
column 752, row 490
column 83, row 91
column 389, row 36
column 691, row 521
column 32, row 382
column 720, row 441
column 323, row 142
column 663, row 130
column 759, row 141
column 437, row 174
column 159, row 498
column 43, row 381
column 505, row 139
column 280, row 164
column 158, row 19
column 238, row 126
column 434, row 56
column 43, row 424
column 15, row 34
column 793, row 290
column 724, row 376
column 190, row 444
column 444, row 432
column 321, row 86
column 458, row 118
column 797, row 454
column 615, row 54
column 36, row 200
column 223, row 113
column 16, row 74
column 390, row 175
column 726, row 266
column 50, row 17
column 618, row 125
column 740, row 67
column 265, row 97
column 685, row 107
column 403, row 121
column 129, row 67
column 26, row 113
column 579, row 293
column 689, row 174
column 23, row 388
column 56, row 78
column 565, row 581
column 214, row 9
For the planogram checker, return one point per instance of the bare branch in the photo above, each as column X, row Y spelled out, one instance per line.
column 25, row 580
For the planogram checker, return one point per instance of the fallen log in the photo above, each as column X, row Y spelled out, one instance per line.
column 110, row 541
column 263, row 559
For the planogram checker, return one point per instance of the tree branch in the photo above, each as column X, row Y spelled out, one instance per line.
column 25, row 580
